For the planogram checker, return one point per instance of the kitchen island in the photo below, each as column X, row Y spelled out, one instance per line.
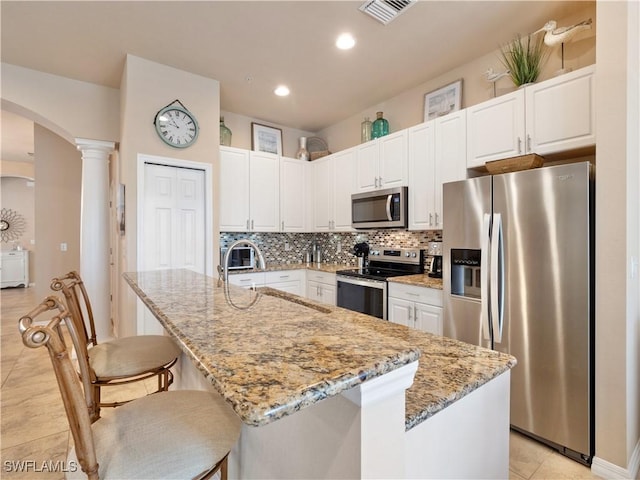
column 321, row 390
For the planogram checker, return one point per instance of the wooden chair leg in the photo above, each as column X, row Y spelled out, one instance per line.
column 223, row 469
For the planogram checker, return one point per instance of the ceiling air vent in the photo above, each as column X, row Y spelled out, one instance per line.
column 385, row 10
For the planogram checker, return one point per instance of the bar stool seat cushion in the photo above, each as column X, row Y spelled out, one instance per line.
column 174, row 434
column 130, row 356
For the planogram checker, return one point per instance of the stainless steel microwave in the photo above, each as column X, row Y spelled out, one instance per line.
column 380, row 209
column 240, row 258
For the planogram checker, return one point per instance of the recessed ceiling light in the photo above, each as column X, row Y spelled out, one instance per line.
column 345, row 41
column 282, row 91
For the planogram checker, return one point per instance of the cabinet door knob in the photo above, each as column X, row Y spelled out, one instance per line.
column 528, row 143
column 519, row 145
column 430, row 219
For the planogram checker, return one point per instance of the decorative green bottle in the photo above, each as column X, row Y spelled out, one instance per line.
column 225, row 134
column 380, row 127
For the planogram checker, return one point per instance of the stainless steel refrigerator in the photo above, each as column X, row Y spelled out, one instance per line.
column 518, row 278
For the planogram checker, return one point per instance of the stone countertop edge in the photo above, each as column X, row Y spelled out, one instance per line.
column 322, row 361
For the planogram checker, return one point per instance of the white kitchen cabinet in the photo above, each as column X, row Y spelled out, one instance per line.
column 290, row 281
column 451, row 154
column 247, row 280
column 422, row 157
column 14, row 269
column 416, row 307
column 293, row 195
column 561, row 113
column 496, row 129
column 333, row 179
column 234, row 189
column 249, row 191
column 436, row 155
column 382, row 163
column 321, row 287
column 544, row 118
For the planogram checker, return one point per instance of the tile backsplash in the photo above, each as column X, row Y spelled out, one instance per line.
column 337, row 247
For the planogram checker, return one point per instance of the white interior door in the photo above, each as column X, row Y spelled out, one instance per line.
column 173, row 223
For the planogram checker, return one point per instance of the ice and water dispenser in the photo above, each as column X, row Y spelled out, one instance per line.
column 465, row 272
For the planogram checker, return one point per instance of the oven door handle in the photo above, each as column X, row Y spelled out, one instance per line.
column 362, row 283
column 389, row 216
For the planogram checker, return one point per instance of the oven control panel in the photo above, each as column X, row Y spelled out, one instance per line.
column 400, row 255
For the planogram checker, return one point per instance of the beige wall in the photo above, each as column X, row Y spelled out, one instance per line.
column 17, row 169
column 240, row 127
column 617, row 237
column 407, row 109
column 69, row 108
column 58, row 171
column 146, row 87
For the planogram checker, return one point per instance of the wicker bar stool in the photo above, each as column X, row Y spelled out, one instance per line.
column 116, row 362
column 177, row 434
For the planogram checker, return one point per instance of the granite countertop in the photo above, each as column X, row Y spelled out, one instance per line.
column 286, row 352
column 274, row 358
column 420, row 280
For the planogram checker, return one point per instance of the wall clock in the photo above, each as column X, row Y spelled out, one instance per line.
column 176, row 125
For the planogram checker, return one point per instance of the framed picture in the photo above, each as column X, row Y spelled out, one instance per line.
column 266, row 139
column 442, row 101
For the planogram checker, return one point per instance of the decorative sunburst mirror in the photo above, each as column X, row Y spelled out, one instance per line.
column 12, row 225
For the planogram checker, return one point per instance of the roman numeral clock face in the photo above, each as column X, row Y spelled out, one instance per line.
column 176, row 126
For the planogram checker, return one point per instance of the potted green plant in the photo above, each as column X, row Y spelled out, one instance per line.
column 524, row 57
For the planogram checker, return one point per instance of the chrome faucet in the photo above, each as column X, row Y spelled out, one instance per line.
column 224, row 271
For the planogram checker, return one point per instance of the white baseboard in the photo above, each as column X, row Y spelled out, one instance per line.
column 604, row 469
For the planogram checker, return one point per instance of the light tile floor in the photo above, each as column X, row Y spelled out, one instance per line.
column 34, row 426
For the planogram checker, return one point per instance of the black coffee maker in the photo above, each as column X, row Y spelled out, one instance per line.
column 434, row 263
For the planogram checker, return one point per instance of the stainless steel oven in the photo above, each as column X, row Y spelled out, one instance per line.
column 364, row 289
column 363, row 295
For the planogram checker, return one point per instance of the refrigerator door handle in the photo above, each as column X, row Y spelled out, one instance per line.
column 497, row 278
column 484, row 280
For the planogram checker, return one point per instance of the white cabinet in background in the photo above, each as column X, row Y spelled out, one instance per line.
column 249, row 191
column 561, row 112
column 548, row 117
column 333, row 179
column 321, row 287
column 436, row 155
column 416, row 307
column 382, row 163
column 293, row 195
column 234, row 189
column 14, row 269
column 247, row 280
column 290, row 281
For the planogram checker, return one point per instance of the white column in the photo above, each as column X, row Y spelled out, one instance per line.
column 94, row 231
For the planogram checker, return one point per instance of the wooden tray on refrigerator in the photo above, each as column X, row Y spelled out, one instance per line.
column 514, row 164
